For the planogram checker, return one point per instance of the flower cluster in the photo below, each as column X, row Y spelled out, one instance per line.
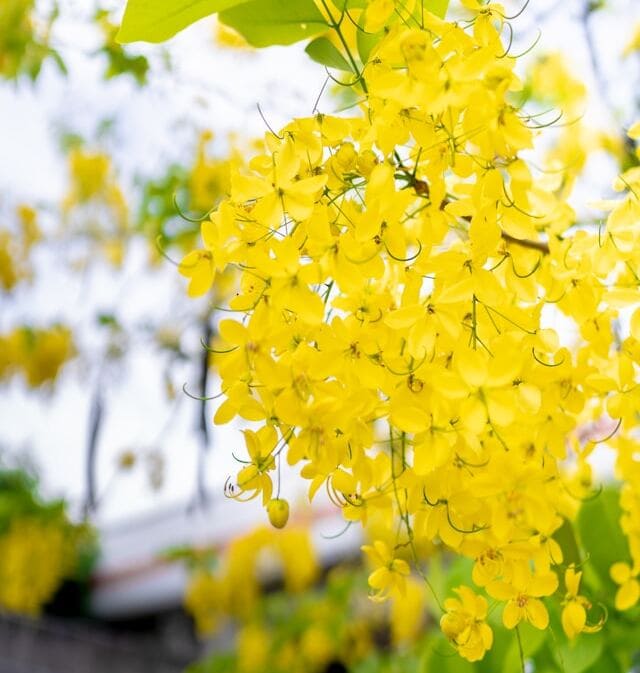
column 304, row 627
column 36, row 354
column 16, row 247
column 24, row 41
column 95, row 206
column 34, row 559
column 401, row 270
column 233, row 587
column 39, row 546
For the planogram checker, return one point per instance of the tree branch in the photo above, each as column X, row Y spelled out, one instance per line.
column 203, row 421
column 540, row 246
column 95, row 424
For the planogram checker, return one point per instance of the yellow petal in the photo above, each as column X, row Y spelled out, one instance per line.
column 634, row 131
column 620, row 572
column 574, row 619
column 404, row 317
column 627, row 595
column 380, row 578
column 512, row 615
column 233, row 332
column 543, row 585
column 226, row 412
column 572, row 581
column 537, row 613
column 472, row 366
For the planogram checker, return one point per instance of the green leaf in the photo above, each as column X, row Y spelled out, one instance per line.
column 158, row 20
column 579, row 654
column 456, row 573
column 266, row 22
column 323, row 51
column 607, row 662
column 366, row 41
column 602, row 539
column 437, row 7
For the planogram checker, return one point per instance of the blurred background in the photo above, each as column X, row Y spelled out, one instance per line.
column 114, row 530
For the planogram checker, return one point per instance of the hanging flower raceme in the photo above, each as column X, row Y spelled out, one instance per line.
column 390, row 339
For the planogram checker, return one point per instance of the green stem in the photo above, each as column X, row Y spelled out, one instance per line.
column 522, row 666
column 335, row 25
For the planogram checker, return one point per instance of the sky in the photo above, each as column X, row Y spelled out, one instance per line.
column 208, row 87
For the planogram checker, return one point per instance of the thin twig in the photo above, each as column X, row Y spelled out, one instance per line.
column 96, row 414
column 540, row 246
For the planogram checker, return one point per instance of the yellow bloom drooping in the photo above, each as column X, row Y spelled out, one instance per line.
column 574, row 612
column 395, row 271
column 34, row 559
column 464, row 624
column 389, row 576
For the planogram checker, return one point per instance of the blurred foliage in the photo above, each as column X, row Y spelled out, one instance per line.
column 27, row 35
column 120, row 61
column 40, row 547
column 24, row 39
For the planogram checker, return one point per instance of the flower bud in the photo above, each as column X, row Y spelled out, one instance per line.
column 278, row 511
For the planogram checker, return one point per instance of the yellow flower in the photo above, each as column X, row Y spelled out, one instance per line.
column 280, row 190
column 317, row 646
column 198, row 266
column 522, row 593
column 34, row 559
column 574, row 613
column 377, row 14
column 389, row 577
column 552, row 82
column 628, row 592
column 464, row 624
column 260, row 446
column 209, row 180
